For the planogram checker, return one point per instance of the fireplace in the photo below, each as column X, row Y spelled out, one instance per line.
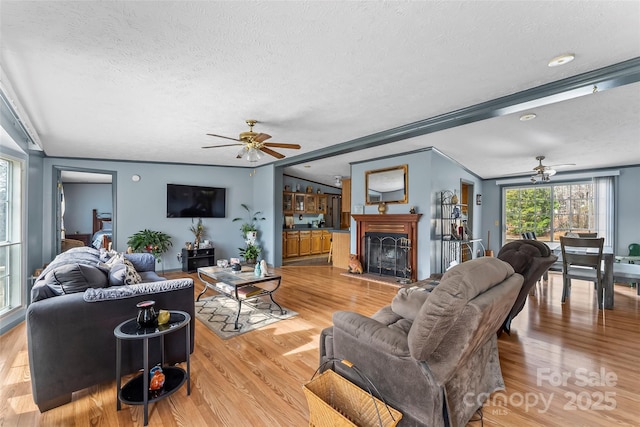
column 387, row 254
column 388, row 244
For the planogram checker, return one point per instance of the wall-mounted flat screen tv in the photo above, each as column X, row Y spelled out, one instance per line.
column 191, row 201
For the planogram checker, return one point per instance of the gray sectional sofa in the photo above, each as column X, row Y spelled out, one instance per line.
column 77, row 302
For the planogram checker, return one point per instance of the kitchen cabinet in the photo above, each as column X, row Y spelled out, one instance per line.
column 346, row 195
column 287, row 202
column 316, row 242
column 310, row 203
column 291, row 243
column 326, row 241
column 298, row 201
column 321, row 204
column 305, row 242
column 304, row 247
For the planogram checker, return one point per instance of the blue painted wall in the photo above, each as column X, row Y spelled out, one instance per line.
column 143, row 204
column 430, row 172
column 80, row 200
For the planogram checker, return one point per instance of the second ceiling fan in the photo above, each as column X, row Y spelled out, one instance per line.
column 543, row 173
column 253, row 144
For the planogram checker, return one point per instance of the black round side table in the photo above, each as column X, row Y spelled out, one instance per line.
column 136, row 390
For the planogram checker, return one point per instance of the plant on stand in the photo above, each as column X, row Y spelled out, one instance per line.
column 249, row 227
column 249, row 230
column 155, row 242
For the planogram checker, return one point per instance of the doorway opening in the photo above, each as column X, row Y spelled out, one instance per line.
column 79, row 192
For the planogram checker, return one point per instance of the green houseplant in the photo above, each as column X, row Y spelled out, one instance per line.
column 250, row 253
column 249, row 225
column 155, row 242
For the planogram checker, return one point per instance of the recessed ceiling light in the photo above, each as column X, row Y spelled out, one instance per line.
column 527, row 117
column 307, row 166
column 561, row 59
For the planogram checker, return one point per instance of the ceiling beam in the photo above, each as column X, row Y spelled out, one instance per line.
column 620, row 74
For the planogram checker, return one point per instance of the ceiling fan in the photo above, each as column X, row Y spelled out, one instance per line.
column 544, row 173
column 253, row 144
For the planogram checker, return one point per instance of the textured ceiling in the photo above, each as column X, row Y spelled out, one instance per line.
column 148, row 80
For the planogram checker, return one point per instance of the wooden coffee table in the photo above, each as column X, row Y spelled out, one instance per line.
column 240, row 286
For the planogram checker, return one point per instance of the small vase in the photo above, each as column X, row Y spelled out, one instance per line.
column 147, row 316
column 382, row 208
column 454, row 199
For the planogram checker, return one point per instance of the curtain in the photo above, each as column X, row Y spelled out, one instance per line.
column 603, row 200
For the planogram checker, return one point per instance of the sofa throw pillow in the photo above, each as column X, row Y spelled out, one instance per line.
column 72, row 278
column 122, row 272
column 114, row 259
column 131, row 276
column 117, row 274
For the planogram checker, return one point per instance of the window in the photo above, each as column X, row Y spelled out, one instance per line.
column 552, row 210
column 10, row 234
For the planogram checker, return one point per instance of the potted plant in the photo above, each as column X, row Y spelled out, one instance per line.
column 250, row 253
column 198, row 231
column 249, row 228
column 155, row 242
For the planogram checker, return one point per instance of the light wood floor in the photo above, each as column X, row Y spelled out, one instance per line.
column 256, row 379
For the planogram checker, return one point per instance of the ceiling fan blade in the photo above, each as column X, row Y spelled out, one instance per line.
column 218, row 146
column 225, row 137
column 272, row 153
column 281, row 145
column 261, row 137
column 561, row 165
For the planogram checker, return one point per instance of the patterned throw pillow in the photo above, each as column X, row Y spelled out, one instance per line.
column 131, row 276
column 122, row 271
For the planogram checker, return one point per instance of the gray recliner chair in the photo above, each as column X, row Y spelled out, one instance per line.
column 432, row 355
column 532, row 259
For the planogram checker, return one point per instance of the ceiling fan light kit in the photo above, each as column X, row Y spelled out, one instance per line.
column 253, row 144
column 543, row 173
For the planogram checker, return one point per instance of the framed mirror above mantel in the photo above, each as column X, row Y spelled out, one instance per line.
column 388, row 185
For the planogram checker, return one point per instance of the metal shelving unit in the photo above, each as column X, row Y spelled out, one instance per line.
column 456, row 241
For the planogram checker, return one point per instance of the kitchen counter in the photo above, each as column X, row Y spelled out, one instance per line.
column 341, row 248
column 304, row 228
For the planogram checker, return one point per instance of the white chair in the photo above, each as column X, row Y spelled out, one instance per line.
column 582, row 259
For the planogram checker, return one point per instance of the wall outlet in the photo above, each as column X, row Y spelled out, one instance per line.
column 497, row 223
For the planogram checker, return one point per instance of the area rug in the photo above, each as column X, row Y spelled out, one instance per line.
column 218, row 313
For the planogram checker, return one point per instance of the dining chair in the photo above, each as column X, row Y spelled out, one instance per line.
column 582, row 259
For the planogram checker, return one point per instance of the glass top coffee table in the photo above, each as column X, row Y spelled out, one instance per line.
column 240, row 286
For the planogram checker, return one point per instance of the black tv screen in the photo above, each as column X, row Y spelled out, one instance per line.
column 191, row 201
